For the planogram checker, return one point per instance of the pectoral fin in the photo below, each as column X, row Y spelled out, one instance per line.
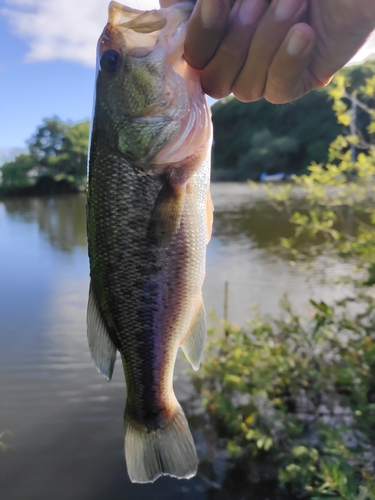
column 166, row 216
column 193, row 343
column 102, row 349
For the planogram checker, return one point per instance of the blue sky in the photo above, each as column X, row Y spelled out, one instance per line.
column 47, row 62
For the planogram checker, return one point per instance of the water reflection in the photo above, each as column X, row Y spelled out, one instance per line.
column 61, row 219
column 245, row 228
column 254, row 221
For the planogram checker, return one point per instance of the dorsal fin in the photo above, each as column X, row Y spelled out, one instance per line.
column 102, row 349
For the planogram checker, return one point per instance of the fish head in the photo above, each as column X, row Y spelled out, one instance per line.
column 148, row 99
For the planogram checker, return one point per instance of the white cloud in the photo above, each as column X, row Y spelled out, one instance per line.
column 62, row 29
column 69, row 29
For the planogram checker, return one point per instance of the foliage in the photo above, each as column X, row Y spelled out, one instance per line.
column 309, row 123
column 339, row 214
column 57, row 151
column 301, row 391
column 268, row 153
column 18, row 173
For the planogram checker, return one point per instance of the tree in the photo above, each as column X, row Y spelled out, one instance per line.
column 310, row 122
column 72, row 157
column 268, row 153
column 46, row 143
column 339, row 215
column 57, row 152
column 18, row 173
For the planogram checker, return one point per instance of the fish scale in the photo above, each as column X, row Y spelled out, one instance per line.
column 130, row 273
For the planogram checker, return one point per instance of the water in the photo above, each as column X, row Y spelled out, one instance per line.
column 64, row 420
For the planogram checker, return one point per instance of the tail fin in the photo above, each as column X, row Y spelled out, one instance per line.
column 169, row 450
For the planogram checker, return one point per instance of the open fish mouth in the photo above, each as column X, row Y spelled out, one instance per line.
column 148, row 23
column 160, row 111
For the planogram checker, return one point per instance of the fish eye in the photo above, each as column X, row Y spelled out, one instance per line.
column 110, row 61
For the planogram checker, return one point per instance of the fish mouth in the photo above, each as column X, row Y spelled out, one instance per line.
column 137, row 20
column 149, row 21
column 168, row 117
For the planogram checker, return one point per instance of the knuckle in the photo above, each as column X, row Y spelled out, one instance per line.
column 246, row 93
column 214, row 82
column 215, row 89
column 232, row 50
column 277, row 90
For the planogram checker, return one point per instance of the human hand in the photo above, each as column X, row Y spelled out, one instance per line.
column 258, row 50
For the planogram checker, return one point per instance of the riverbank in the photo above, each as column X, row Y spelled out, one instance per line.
column 44, row 186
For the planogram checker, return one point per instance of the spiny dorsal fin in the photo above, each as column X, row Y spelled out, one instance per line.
column 102, row 349
column 166, row 216
column 193, row 343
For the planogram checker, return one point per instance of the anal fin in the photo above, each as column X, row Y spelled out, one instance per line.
column 166, row 216
column 102, row 349
column 193, row 343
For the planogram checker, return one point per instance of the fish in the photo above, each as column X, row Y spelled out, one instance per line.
column 149, row 219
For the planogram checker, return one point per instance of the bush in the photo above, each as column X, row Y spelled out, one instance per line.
column 300, row 392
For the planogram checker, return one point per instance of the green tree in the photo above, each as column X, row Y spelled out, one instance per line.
column 47, row 141
column 267, row 153
column 310, row 122
column 71, row 159
column 17, row 173
column 339, row 215
column 57, row 152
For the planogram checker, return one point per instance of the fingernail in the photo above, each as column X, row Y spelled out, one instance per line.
column 211, row 12
column 297, row 43
column 285, row 9
column 250, row 11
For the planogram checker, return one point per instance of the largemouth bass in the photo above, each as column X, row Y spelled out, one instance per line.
column 149, row 218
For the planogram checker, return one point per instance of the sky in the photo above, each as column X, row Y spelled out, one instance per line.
column 47, row 62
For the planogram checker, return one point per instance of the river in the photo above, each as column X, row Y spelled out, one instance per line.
column 63, row 421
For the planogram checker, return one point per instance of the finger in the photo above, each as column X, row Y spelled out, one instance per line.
column 288, row 78
column 220, row 73
column 206, row 27
column 269, row 36
column 168, row 3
